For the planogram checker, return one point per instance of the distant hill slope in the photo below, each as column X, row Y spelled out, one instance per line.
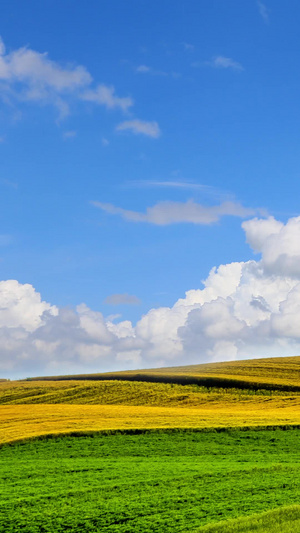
column 252, row 393
column 281, row 373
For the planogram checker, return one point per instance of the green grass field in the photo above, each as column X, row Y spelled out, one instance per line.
column 149, row 482
column 282, row 520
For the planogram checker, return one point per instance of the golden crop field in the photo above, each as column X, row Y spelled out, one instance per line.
column 276, row 372
column 126, row 392
column 32, row 408
column 27, row 421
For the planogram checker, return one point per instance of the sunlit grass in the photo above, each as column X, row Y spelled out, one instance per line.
column 282, row 520
column 150, row 482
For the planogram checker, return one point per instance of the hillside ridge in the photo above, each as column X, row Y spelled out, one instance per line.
column 282, row 373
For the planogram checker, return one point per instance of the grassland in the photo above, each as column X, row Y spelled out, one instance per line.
column 151, row 482
column 282, row 520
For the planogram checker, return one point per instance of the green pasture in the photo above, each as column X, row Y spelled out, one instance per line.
column 282, row 520
column 152, row 482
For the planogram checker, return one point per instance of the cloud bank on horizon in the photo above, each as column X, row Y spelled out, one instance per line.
column 244, row 308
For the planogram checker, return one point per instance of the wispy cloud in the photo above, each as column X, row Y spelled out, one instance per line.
column 8, row 183
column 188, row 47
column 145, row 69
column 27, row 75
column 71, row 134
column 122, row 299
column 30, row 76
column 225, row 62
column 263, row 10
column 172, row 185
column 165, row 213
column 104, row 141
column 140, row 127
column 5, row 240
column 106, row 96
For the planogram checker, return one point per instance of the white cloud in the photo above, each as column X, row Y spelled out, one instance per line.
column 164, row 213
column 143, row 69
column 278, row 243
column 188, row 47
column 27, row 75
column 150, row 129
column 8, row 183
column 5, row 239
column 71, row 134
column 30, row 76
column 39, row 73
column 173, row 185
column 225, row 62
column 122, row 299
column 106, row 96
column 263, row 11
column 2, row 47
column 21, row 306
column 243, row 310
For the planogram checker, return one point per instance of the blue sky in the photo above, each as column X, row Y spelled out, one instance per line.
column 136, row 139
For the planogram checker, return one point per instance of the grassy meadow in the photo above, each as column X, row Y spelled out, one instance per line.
column 215, row 452
column 147, row 482
column 282, row 520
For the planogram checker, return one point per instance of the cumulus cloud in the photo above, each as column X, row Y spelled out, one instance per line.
column 21, row 306
column 243, row 310
column 225, row 62
column 164, row 213
column 278, row 243
column 122, row 299
column 140, row 127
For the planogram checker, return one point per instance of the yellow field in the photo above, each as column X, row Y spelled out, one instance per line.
column 27, row 421
column 127, row 393
column 32, row 408
column 276, row 371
